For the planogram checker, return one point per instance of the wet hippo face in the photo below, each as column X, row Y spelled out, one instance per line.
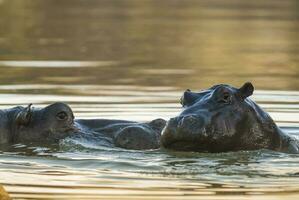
column 216, row 120
column 50, row 124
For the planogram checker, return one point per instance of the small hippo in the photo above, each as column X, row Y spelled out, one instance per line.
column 55, row 122
column 222, row 119
column 28, row 124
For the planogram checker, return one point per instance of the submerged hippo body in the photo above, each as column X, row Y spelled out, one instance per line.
column 124, row 134
column 222, row 119
column 55, row 122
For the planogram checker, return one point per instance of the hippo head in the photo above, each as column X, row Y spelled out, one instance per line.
column 219, row 119
column 48, row 124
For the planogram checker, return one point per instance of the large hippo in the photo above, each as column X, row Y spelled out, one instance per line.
column 55, row 122
column 223, row 118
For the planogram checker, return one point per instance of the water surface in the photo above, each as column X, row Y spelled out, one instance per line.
column 132, row 60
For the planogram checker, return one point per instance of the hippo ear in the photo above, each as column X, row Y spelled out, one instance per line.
column 188, row 98
column 246, row 90
column 24, row 116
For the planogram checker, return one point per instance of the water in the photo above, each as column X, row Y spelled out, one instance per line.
column 132, row 60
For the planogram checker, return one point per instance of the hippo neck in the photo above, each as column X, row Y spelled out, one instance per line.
column 287, row 143
column 278, row 140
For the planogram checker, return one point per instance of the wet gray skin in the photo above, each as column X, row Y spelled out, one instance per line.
column 121, row 133
column 41, row 125
column 222, row 119
column 55, row 122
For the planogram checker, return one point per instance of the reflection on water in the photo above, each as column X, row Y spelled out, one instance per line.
column 55, row 64
column 183, row 43
column 131, row 60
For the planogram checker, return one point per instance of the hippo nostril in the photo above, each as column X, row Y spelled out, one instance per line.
column 190, row 121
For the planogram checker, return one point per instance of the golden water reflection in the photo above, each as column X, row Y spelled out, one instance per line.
column 132, row 59
column 188, row 44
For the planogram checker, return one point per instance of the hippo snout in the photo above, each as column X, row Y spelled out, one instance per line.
column 183, row 132
column 190, row 123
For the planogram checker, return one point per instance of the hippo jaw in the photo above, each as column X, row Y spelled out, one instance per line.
column 170, row 141
column 204, row 139
column 174, row 137
column 61, row 133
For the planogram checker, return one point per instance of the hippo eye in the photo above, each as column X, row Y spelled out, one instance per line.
column 61, row 116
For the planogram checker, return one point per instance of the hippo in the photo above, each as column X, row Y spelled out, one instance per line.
column 221, row 119
column 53, row 123
column 27, row 124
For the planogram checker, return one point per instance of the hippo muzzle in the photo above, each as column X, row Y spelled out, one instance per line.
column 186, row 133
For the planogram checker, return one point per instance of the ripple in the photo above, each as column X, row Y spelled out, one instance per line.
column 56, row 64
